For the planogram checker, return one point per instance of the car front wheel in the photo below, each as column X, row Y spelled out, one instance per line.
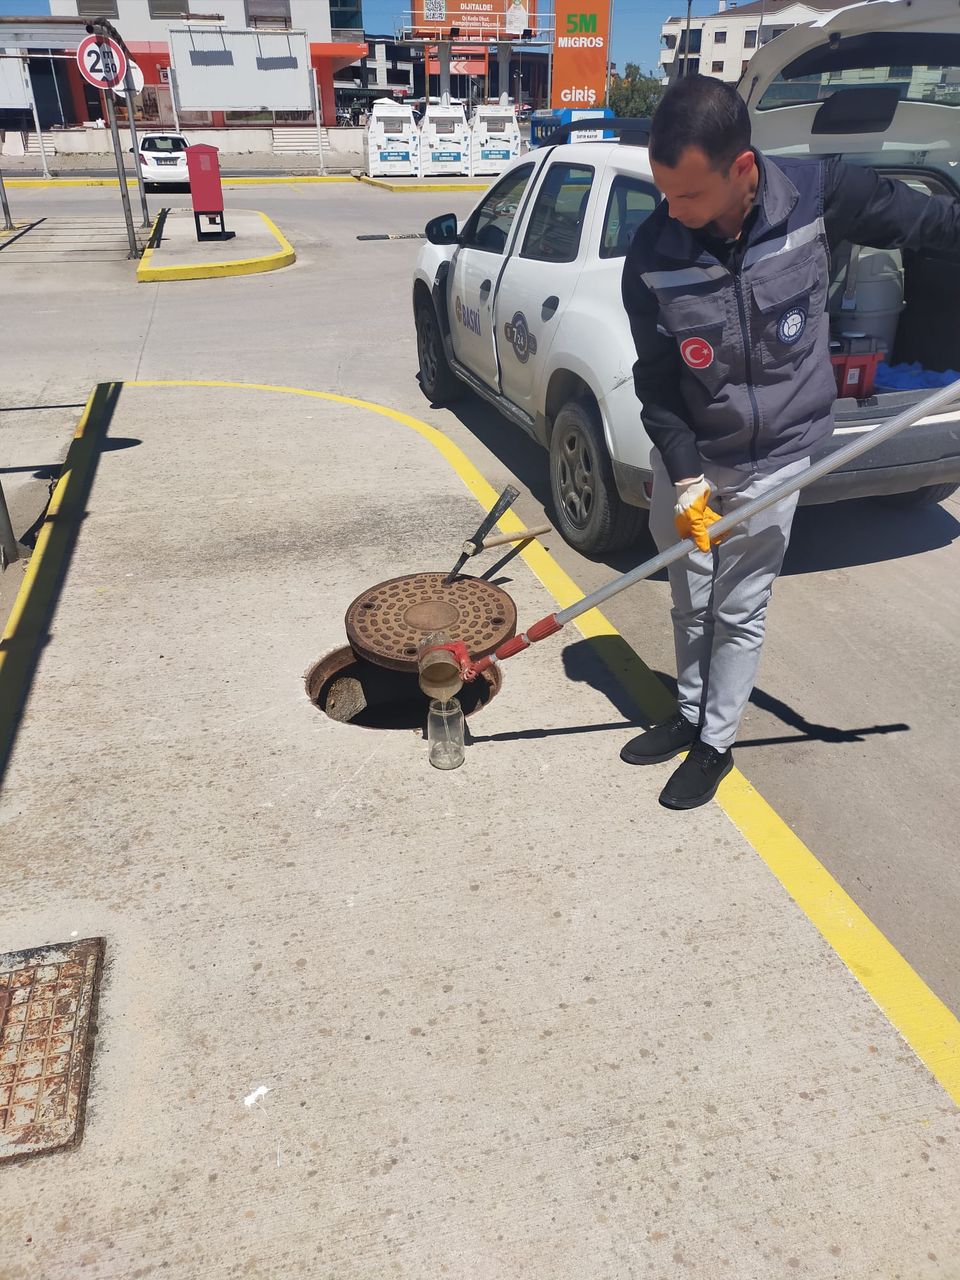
column 440, row 384
column 588, row 510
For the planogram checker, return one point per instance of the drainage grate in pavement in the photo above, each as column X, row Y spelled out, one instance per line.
column 47, row 998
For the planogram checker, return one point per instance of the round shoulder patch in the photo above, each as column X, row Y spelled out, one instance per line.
column 697, row 353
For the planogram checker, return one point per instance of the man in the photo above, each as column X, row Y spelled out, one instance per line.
column 726, row 285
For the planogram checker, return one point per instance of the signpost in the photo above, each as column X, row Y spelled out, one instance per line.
column 580, row 75
column 104, row 64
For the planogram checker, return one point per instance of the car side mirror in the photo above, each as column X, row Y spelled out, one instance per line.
column 442, row 230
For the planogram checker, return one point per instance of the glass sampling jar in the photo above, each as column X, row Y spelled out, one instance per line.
column 445, row 734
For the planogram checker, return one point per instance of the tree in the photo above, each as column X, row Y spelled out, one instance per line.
column 634, row 94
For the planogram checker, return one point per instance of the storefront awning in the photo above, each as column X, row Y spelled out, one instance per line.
column 339, row 53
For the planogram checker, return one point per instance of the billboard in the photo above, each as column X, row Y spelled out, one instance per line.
column 220, row 69
column 475, row 19
column 580, row 54
column 13, row 83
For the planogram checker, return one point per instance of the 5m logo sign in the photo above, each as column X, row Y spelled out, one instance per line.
column 580, row 55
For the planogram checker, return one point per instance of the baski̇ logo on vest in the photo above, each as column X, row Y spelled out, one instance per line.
column 791, row 325
column 469, row 317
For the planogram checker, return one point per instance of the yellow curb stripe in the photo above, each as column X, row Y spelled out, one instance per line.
column 928, row 1026
column 417, row 185
column 132, row 182
column 68, row 182
column 32, row 571
column 147, row 273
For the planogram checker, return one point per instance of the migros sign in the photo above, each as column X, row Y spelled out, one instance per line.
column 580, row 53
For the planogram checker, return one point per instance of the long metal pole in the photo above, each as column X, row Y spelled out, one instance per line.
column 7, row 220
column 316, row 111
column 53, row 73
column 122, row 175
column 129, row 89
column 831, row 462
column 686, row 41
column 10, row 548
column 36, row 118
column 173, row 98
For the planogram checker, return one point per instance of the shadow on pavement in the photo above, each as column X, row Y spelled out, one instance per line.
column 833, row 536
column 28, row 630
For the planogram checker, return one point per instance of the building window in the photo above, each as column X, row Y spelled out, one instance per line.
column 719, row 37
column 716, row 68
column 168, row 8
column 97, row 9
column 669, row 40
column 750, row 39
column 346, row 15
column 268, row 13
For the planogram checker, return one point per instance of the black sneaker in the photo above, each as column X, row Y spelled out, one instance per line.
column 662, row 742
column 696, row 781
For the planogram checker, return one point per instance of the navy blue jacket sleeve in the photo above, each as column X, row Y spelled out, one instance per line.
column 864, row 207
column 656, row 378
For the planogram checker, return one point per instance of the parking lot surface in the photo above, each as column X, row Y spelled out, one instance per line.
column 538, row 1025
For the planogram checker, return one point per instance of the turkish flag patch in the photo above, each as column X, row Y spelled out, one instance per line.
column 697, row 353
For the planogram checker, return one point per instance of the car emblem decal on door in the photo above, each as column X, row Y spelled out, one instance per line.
column 791, row 324
column 469, row 317
column 697, row 353
column 520, row 338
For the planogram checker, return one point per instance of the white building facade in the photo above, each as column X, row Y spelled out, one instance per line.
column 722, row 43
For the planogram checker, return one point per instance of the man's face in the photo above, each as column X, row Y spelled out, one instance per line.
column 698, row 194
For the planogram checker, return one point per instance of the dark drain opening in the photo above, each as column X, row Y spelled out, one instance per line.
column 353, row 691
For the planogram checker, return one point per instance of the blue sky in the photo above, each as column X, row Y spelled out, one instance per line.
column 636, row 25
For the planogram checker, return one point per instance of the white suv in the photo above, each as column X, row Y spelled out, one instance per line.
column 522, row 304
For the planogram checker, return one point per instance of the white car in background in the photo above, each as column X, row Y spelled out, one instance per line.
column 522, row 303
column 163, row 158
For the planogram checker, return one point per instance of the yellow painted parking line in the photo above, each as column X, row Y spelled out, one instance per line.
column 928, row 1026
column 417, row 185
column 147, row 273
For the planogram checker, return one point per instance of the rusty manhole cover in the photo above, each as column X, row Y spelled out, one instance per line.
column 47, row 998
column 387, row 622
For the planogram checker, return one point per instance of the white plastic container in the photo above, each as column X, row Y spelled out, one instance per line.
column 392, row 141
column 877, row 297
column 445, row 141
column 494, row 139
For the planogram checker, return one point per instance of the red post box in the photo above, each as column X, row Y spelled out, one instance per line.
column 206, row 192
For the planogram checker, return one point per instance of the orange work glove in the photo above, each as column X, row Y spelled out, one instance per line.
column 691, row 515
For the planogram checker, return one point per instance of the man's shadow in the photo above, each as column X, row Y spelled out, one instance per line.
column 642, row 696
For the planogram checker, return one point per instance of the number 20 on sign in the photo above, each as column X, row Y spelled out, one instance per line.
column 103, row 64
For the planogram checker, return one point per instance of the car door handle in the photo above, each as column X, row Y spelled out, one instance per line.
column 485, row 290
column 549, row 306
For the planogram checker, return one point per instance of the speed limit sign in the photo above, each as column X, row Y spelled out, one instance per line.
column 102, row 63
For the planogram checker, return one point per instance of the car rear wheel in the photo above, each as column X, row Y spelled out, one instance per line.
column 440, row 384
column 928, row 496
column 588, row 510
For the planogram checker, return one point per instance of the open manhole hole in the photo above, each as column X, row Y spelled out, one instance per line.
column 351, row 690
column 373, row 681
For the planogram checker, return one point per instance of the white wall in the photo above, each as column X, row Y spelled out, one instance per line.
column 135, row 24
column 91, row 141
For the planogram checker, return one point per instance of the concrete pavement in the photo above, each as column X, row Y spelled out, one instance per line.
column 515, row 1020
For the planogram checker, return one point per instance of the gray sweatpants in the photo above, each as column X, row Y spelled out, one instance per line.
column 720, row 596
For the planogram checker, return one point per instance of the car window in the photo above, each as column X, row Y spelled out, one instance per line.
column 631, row 202
column 553, row 233
column 489, row 226
column 163, row 144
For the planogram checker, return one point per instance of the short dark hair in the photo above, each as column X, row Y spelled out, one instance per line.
column 699, row 111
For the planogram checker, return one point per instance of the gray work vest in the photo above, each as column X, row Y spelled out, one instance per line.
column 754, row 340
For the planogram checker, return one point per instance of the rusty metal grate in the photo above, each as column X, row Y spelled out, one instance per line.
column 387, row 621
column 47, row 996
